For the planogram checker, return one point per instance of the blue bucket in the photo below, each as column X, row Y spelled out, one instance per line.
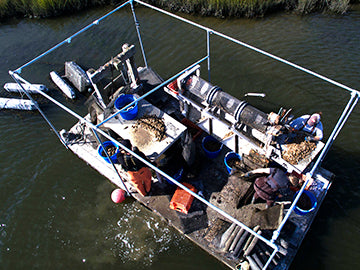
column 177, row 176
column 230, row 156
column 313, row 201
column 209, row 153
column 103, row 155
column 124, row 100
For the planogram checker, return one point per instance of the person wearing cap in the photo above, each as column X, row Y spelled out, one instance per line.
column 310, row 124
column 139, row 174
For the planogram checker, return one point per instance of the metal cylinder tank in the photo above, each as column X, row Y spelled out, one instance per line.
column 214, row 96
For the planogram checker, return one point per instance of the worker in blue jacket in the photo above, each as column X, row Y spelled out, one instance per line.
column 310, row 124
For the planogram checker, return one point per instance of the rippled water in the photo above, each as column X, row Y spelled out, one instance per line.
column 56, row 212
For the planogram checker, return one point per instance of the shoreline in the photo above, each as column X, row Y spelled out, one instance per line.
column 216, row 8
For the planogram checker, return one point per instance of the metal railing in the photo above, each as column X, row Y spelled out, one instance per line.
column 97, row 129
column 355, row 95
column 343, row 118
column 152, row 91
column 69, row 39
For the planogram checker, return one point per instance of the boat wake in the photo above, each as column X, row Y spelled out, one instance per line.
column 142, row 238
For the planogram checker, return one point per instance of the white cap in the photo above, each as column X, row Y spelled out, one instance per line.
column 314, row 119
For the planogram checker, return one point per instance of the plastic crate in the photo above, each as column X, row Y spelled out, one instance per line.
column 182, row 200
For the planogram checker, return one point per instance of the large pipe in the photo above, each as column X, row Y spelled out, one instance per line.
column 214, row 96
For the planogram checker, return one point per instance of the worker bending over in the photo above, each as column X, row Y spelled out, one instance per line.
column 272, row 187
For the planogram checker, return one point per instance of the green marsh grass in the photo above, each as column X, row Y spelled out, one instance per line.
column 219, row 8
column 253, row 8
column 45, row 8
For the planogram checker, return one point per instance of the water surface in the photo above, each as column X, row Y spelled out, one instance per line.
column 56, row 212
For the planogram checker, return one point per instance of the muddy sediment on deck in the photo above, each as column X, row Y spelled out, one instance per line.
column 153, row 124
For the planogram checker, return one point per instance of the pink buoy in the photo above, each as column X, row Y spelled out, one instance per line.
column 118, row 195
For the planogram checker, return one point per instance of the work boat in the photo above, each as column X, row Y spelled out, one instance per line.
column 200, row 143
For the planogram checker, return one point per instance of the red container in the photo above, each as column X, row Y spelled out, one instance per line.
column 194, row 130
column 182, row 200
column 173, row 87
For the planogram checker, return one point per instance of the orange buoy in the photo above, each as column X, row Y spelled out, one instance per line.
column 118, row 195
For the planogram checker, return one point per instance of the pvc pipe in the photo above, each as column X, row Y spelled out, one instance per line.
column 249, row 47
column 16, row 78
column 270, row 259
column 137, row 26
column 221, row 212
column 112, row 163
column 208, row 53
column 276, row 233
column 343, row 118
column 68, row 40
column 152, row 91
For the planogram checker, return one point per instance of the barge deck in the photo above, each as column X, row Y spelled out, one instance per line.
column 202, row 224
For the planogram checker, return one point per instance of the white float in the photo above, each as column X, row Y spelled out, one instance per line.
column 64, row 87
column 30, row 88
column 17, row 104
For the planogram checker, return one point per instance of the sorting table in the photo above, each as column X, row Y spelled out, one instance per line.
column 144, row 139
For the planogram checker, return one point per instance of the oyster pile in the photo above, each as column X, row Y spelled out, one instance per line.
column 296, row 152
column 235, row 163
column 155, row 125
column 111, row 150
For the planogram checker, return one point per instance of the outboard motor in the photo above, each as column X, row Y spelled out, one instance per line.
column 214, row 96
